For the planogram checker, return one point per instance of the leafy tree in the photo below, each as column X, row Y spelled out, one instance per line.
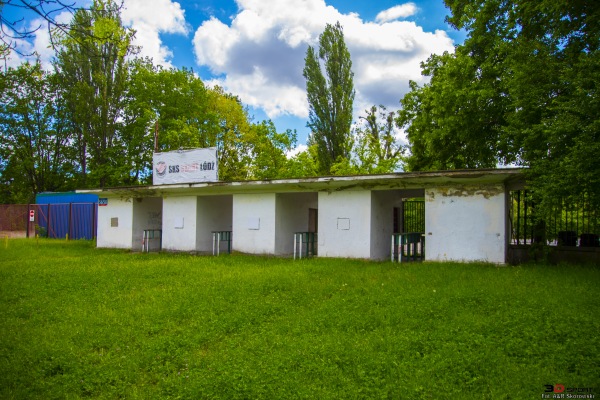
column 186, row 114
column 269, row 149
column 522, row 89
column 377, row 149
column 330, row 97
column 453, row 122
column 303, row 164
column 12, row 31
column 170, row 102
column 92, row 65
column 35, row 155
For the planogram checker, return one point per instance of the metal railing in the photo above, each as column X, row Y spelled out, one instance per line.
column 569, row 224
column 305, row 243
column 408, row 247
column 217, row 238
column 152, row 239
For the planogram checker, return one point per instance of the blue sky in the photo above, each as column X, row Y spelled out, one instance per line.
column 255, row 48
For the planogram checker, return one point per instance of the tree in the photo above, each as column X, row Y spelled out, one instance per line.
column 330, row 97
column 454, row 121
column 35, row 155
column 302, row 165
column 523, row 89
column 174, row 104
column 92, row 65
column 269, row 149
column 12, row 31
column 377, row 149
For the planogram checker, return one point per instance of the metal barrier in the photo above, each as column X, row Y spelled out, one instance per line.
column 218, row 237
column 408, row 247
column 307, row 240
column 151, row 235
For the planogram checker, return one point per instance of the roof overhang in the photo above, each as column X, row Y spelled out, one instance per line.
column 513, row 177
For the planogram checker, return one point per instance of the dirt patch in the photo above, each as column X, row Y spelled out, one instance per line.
column 12, row 234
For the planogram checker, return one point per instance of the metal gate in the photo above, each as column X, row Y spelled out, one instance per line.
column 408, row 240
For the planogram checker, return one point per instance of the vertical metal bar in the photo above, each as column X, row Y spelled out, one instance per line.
column 525, row 218
column 307, row 243
column 577, row 220
column 218, row 243
column 392, row 251
column 400, row 247
column 518, row 217
column 294, row 246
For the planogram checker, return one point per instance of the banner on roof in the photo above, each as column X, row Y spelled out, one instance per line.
column 185, row 166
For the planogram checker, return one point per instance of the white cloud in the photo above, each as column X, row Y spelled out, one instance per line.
column 260, row 54
column 38, row 45
column 150, row 20
column 296, row 150
column 396, row 12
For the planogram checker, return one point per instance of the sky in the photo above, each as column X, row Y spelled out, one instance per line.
column 255, row 49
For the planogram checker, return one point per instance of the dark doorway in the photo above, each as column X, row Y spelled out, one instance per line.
column 313, row 220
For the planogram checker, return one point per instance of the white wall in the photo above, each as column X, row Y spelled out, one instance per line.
column 465, row 224
column 214, row 214
column 147, row 214
column 179, row 223
column 345, row 224
column 292, row 217
column 253, row 223
column 119, row 236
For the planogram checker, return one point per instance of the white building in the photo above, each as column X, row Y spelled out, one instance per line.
column 466, row 214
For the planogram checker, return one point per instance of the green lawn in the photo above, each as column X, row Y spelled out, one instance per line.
column 83, row 322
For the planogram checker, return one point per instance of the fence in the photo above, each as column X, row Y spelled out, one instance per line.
column 569, row 224
column 413, row 219
column 68, row 220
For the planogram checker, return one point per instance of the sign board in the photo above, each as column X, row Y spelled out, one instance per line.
column 185, row 166
column 102, row 202
column 31, row 215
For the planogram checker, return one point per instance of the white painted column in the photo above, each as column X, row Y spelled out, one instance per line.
column 465, row 224
column 115, row 219
column 254, row 223
column 179, row 223
column 345, row 224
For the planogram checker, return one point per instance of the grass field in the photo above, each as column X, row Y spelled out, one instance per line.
column 81, row 322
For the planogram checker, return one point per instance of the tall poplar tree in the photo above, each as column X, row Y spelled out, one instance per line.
column 330, row 97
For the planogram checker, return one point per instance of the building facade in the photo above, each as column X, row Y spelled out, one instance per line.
column 466, row 214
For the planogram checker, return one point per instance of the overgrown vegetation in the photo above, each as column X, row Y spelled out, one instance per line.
column 84, row 322
column 522, row 89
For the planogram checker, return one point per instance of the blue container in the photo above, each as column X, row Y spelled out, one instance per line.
column 69, row 213
column 65, row 197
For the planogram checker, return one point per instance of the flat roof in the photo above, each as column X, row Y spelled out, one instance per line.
column 398, row 181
